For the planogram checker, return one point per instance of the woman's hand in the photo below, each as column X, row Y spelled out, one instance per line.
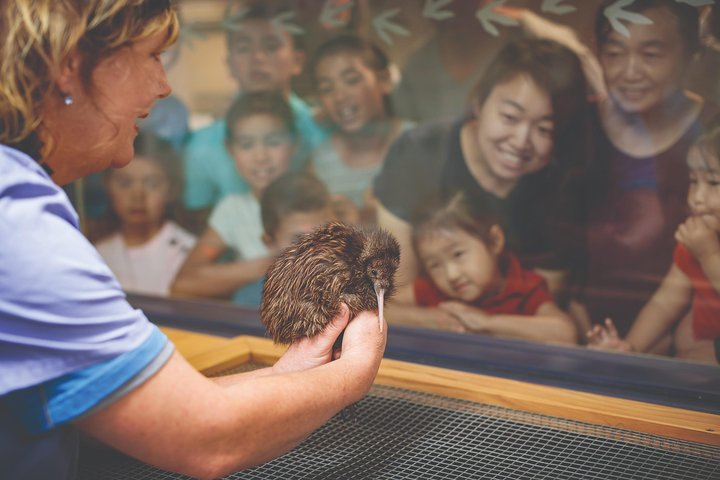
column 699, row 238
column 537, row 26
column 606, row 337
column 473, row 319
column 362, row 350
column 315, row 351
column 363, row 339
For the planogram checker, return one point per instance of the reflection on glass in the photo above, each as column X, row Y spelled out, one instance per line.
column 578, row 144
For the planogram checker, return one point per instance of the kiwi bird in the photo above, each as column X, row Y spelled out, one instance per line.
column 336, row 263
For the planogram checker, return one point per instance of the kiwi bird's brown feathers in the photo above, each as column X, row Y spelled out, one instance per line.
column 336, row 263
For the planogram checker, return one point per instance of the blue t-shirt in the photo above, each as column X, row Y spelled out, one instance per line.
column 69, row 341
column 210, row 172
column 249, row 296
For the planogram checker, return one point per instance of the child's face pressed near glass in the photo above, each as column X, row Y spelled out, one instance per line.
column 704, row 193
column 643, row 70
column 350, row 92
column 459, row 264
column 139, row 193
column 295, row 224
column 262, row 57
column 514, row 130
column 262, row 148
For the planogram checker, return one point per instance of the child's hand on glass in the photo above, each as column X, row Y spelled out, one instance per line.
column 447, row 322
column 698, row 237
column 474, row 319
column 606, row 337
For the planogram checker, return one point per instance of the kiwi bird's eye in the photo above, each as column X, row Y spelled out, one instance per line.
column 374, row 272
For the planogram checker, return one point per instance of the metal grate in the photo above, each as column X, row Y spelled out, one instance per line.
column 402, row 434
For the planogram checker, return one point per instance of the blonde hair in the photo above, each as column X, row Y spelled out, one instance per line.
column 38, row 36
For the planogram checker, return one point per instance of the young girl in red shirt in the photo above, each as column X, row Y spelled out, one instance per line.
column 474, row 282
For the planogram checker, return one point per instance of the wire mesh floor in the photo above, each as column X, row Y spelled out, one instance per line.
column 402, row 434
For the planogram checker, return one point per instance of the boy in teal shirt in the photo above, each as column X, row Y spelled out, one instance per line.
column 262, row 56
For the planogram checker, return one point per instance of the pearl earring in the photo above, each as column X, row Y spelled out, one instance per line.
column 68, row 100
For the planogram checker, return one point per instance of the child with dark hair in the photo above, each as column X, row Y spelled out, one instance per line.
column 294, row 204
column 688, row 299
column 353, row 81
column 261, row 138
column 262, row 56
column 470, row 275
column 138, row 235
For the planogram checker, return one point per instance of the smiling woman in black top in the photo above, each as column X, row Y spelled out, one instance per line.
column 512, row 153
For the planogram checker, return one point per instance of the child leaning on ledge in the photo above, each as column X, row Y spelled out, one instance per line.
column 689, row 295
column 472, row 283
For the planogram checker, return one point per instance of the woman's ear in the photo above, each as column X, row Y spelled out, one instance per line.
column 67, row 80
column 497, row 237
column 476, row 106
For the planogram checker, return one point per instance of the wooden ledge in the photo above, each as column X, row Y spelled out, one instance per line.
column 213, row 354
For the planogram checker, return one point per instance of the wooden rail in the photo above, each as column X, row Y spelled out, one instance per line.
column 212, row 354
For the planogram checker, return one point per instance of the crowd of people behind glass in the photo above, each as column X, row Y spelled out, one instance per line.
column 545, row 191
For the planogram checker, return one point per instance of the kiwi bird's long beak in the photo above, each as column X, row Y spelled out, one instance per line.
column 380, row 292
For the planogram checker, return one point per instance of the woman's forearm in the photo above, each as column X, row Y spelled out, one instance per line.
column 290, row 406
column 182, row 421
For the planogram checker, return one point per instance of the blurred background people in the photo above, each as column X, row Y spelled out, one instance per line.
column 644, row 129
column 687, row 303
column 510, row 156
column 261, row 137
column 261, row 56
column 353, row 81
column 139, row 236
column 469, row 275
